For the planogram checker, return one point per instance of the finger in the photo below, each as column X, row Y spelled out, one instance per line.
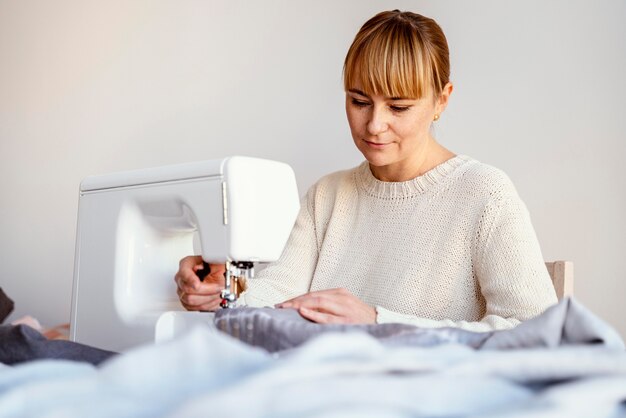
column 207, row 292
column 215, row 273
column 198, row 288
column 186, row 276
column 187, row 283
column 207, row 307
column 211, row 306
column 216, row 278
column 320, row 317
column 321, row 303
column 195, row 301
column 199, row 300
column 190, row 262
column 191, row 283
column 217, row 268
column 188, row 280
column 293, row 302
column 317, row 293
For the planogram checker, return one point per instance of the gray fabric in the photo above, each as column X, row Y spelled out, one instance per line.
column 566, row 323
column 6, row 305
column 576, row 368
column 206, row 373
column 22, row 343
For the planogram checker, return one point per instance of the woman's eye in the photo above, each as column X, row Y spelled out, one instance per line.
column 399, row 108
column 359, row 103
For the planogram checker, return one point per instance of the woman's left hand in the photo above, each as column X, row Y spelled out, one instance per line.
column 333, row 306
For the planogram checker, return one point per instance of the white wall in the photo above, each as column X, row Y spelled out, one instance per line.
column 91, row 87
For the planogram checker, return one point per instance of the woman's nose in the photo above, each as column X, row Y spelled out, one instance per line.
column 377, row 122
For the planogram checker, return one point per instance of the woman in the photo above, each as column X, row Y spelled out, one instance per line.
column 415, row 234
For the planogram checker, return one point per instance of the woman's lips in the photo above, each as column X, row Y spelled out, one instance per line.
column 375, row 145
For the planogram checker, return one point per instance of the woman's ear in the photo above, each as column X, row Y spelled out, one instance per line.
column 444, row 97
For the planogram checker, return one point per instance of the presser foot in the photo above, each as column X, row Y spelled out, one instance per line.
column 228, row 301
column 236, row 274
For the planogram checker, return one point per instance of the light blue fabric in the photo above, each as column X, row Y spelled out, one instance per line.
column 145, row 382
column 565, row 363
column 334, row 375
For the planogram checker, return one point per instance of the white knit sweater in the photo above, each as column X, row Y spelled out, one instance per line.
column 453, row 247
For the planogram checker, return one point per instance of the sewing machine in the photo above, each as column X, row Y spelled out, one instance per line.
column 135, row 226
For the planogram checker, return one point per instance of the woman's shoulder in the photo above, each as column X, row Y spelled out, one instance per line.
column 336, row 181
column 482, row 178
column 336, row 188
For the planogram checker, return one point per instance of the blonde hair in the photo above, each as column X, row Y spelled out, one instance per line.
column 398, row 54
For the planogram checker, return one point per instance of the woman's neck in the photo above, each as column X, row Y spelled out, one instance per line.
column 428, row 159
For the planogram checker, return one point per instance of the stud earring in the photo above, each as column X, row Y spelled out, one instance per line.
column 436, row 118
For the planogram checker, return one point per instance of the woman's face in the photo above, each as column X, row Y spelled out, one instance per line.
column 393, row 133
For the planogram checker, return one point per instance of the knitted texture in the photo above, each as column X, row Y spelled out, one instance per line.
column 454, row 247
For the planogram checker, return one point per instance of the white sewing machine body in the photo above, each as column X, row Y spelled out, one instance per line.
column 135, row 226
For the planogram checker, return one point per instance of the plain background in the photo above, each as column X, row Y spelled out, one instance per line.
column 91, row 87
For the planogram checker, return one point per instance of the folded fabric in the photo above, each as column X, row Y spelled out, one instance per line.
column 22, row 343
column 364, row 371
column 351, row 374
column 6, row 305
column 566, row 323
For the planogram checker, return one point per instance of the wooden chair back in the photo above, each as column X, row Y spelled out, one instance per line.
column 562, row 275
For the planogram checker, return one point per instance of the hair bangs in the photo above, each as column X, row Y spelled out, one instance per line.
column 391, row 63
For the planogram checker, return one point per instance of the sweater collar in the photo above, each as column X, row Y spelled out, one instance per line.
column 402, row 189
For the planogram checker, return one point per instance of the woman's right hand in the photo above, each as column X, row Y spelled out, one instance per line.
column 196, row 295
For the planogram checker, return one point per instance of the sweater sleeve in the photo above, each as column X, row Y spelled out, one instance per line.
column 508, row 265
column 291, row 274
column 488, row 323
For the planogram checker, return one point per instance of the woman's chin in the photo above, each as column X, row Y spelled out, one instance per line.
column 377, row 160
